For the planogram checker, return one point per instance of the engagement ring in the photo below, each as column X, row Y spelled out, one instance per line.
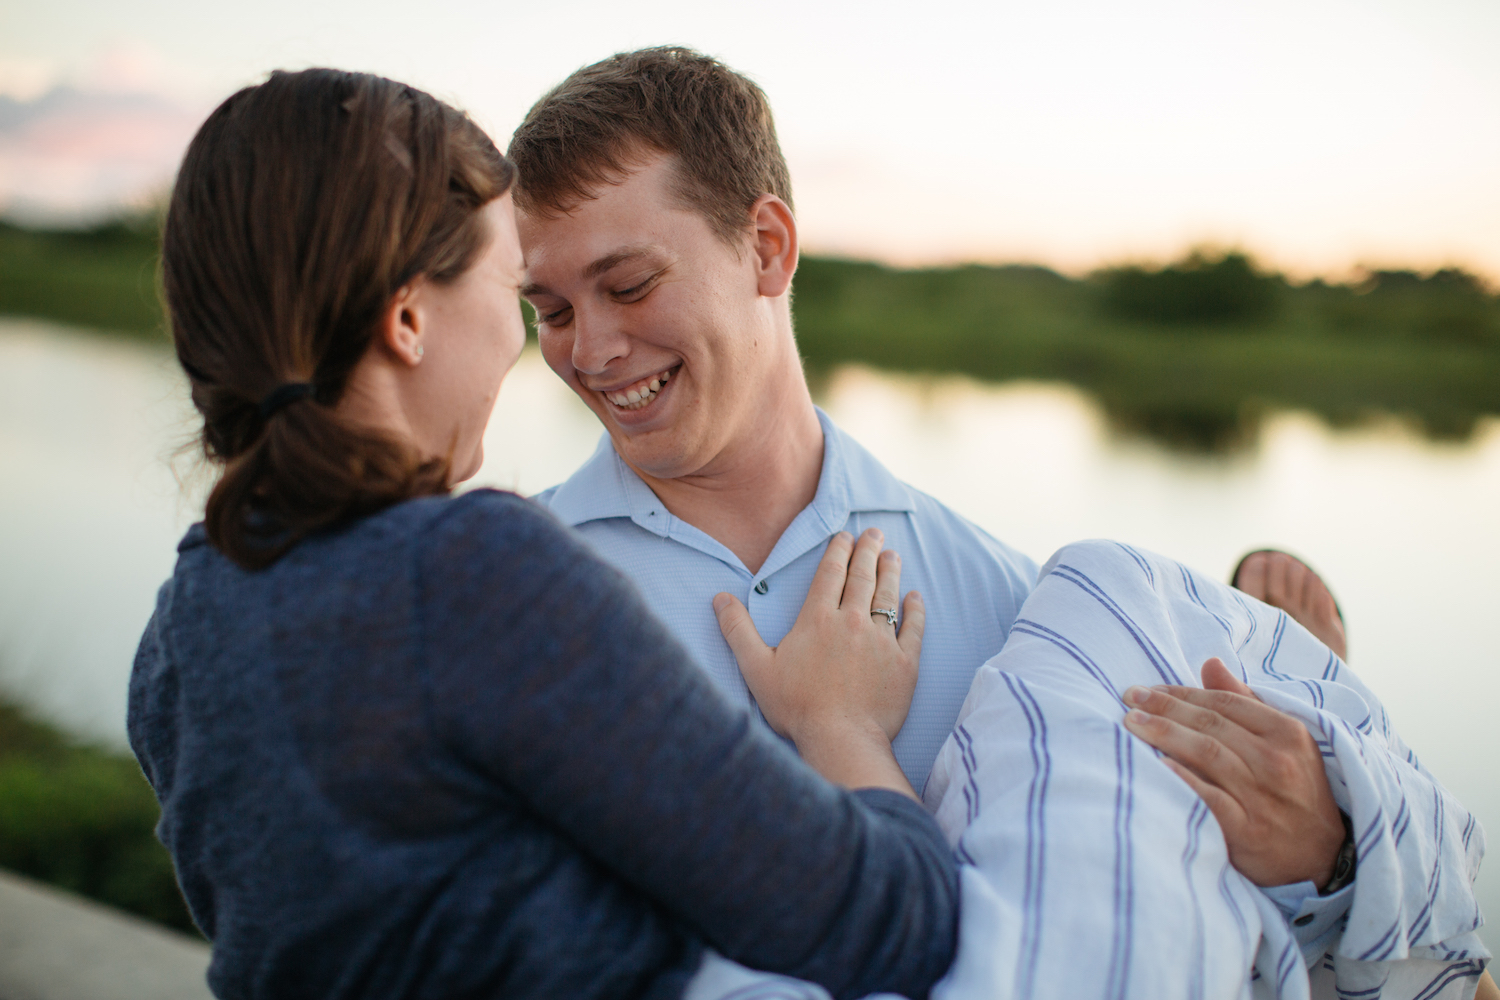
column 890, row 614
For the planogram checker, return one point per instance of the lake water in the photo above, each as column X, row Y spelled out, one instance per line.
column 1406, row 530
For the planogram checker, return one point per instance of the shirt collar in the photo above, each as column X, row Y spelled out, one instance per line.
column 852, row 481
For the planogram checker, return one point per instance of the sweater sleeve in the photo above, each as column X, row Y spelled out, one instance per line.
column 550, row 676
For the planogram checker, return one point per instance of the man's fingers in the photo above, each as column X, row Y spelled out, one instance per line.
column 741, row 634
column 1224, row 806
column 887, row 583
column 1218, row 677
column 828, row 582
column 913, row 623
column 1246, row 711
column 1208, row 757
column 859, row 585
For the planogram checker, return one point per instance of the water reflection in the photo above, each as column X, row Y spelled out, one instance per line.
column 90, row 511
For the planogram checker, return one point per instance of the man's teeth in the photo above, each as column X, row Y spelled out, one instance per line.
column 636, row 396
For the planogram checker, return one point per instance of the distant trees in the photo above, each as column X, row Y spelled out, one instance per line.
column 1449, row 306
column 1202, row 288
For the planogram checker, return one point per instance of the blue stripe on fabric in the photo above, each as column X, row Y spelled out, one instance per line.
column 1139, row 561
column 1423, row 919
column 1031, row 628
column 1117, row 979
column 1331, row 671
column 1270, row 657
column 1384, row 945
column 1403, row 821
column 1234, row 907
column 1372, row 834
column 1464, row 970
column 1190, row 586
column 971, row 767
column 1315, row 690
column 1153, row 654
column 1036, row 834
column 1195, row 822
column 1286, row 964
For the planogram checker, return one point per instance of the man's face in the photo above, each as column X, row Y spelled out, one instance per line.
column 656, row 322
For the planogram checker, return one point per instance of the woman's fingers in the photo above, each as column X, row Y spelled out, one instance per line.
column 828, row 582
column 741, row 634
column 913, row 623
column 887, row 586
column 859, row 585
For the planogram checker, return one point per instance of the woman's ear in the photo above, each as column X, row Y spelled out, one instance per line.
column 403, row 326
column 775, row 244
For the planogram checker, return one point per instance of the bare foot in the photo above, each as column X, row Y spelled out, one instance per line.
column 1286, row 582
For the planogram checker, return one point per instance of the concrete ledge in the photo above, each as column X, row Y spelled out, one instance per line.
column 57, row 946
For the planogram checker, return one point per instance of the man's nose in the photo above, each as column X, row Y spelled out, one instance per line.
column 598, row 341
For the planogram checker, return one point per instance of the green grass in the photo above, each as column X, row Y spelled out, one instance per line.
column 103, row 278
column 1191, row 354
column 1402, row 344
column 82, row 818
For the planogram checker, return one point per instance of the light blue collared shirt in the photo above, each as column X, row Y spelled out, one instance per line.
column 972, row 584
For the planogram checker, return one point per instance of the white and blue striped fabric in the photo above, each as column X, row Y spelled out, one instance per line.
column 1091, row 870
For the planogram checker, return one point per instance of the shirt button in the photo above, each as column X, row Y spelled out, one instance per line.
column 763, row 587
column 1304, row 920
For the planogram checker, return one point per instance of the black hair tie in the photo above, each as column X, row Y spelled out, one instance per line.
column 283, row 395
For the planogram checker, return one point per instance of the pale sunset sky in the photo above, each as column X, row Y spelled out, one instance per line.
column 1318, row 134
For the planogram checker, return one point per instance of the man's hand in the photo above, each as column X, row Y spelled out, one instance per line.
column 1257, row 769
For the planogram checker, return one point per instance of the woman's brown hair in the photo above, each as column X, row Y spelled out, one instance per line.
column 302, row 206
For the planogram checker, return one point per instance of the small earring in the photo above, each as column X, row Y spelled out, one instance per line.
column 420, row 351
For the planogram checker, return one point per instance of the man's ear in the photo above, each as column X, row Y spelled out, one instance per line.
column 403, row 325
column 775, row 245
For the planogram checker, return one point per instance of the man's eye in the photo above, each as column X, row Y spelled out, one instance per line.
column 555, row 317
column 635, row 291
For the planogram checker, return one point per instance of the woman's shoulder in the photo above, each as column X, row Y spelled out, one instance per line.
column 488, row 520
column 484, row 534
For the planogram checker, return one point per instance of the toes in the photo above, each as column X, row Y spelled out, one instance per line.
column 1285, row 582
column 1251, row 575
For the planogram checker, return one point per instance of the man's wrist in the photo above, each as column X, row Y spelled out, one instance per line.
column 1345, row 862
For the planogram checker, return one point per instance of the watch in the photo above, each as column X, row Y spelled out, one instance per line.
column 1346, row 861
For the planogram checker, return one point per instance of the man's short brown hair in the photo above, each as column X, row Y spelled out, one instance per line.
column 588, row 130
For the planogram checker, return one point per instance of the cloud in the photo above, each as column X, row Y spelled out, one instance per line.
column 72, row 155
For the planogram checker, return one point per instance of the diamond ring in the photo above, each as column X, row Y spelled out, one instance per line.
column 890, row 614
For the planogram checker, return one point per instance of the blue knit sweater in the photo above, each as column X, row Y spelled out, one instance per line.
column 444, row 752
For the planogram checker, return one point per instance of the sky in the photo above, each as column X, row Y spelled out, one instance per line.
column 1320, row 135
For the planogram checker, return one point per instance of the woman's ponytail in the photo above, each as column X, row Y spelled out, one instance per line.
column 303, row 204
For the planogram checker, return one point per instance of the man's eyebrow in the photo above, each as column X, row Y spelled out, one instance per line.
column 621, row 256
column 602, row 265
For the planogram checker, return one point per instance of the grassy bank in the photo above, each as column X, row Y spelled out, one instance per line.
column 82, row 819
column 104, row 278
column 1190, row 354
column 1192, row 362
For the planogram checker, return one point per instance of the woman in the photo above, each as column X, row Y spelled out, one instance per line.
column 412, row 744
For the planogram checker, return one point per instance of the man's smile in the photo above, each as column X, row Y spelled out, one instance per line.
column 639, row 394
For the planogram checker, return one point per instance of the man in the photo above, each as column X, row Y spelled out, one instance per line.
column 671, row 319
column 655, row 214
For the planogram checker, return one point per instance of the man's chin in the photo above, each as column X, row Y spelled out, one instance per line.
column 652, row 454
